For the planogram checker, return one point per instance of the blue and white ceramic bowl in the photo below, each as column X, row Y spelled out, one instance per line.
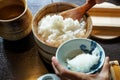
column 49, row 76
column 85, row 45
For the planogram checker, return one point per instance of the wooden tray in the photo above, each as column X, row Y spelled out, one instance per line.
column 106, row 19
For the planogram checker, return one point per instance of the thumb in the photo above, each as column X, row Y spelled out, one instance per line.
column 60, row 70
column 106, row 66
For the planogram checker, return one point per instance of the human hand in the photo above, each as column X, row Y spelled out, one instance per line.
column 99, row 1
column 70, row 75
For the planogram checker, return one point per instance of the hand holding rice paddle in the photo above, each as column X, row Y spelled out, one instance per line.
column 78, row 12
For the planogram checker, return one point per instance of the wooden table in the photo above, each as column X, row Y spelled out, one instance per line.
column 19, row 60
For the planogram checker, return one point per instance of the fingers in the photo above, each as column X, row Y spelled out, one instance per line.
column 57, row 67
column 67, row 74
column 61, row 71
column 106, row 65
column 56, row 71
column 105, row 73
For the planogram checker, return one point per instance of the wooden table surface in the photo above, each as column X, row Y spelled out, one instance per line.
column 19, row 60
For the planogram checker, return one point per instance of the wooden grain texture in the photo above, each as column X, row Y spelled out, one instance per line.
column 106, row 31
column 115, row 70
column 106, row 19
column 78, row 12
column 105, row 9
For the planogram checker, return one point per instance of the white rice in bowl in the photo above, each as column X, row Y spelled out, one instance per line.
column 55, row 30
column 83, row 62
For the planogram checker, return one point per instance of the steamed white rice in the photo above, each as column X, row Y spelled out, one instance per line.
column 55, row 30
column 83, row 62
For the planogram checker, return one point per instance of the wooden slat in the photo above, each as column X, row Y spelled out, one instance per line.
column 105, row 9
column 106, row 21
column 106, row 31
column 105, row 12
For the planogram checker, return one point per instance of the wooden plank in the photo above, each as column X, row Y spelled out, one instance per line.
column 105, row 9
column 106, row 21
column 107, row 5
column 104, row 12
column 106, row 31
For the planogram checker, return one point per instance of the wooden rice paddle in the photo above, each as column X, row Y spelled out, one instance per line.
column 78, row 12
